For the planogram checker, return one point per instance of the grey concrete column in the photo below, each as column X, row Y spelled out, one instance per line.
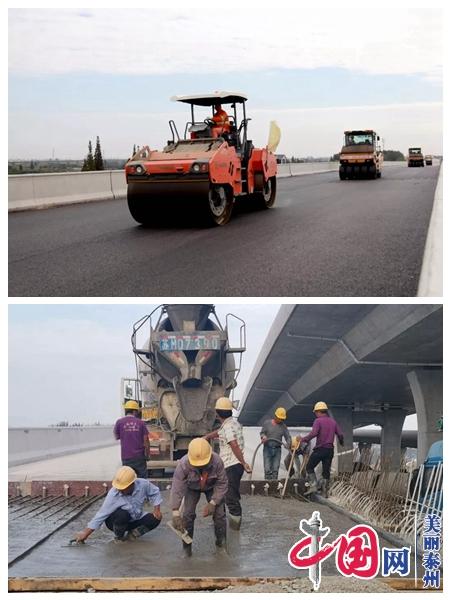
column 365, row 451
column 343, row 415
column 391, row 436
column 426, row 387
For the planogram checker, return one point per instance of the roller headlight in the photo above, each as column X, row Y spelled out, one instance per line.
column 139, row 169
column 200, row 166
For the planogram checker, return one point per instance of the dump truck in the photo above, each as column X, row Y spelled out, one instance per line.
column 206, row 170
column 415, row 157
column 428, row 160
column 361, row 156
column 184, row 363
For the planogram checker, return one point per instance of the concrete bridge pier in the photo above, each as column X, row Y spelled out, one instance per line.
column 426, row 387
column 391, row 435
column 343, row 415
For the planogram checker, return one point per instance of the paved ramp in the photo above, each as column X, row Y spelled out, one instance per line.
column 324, row 237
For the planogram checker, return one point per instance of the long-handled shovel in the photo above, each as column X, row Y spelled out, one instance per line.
column 181, row 534
column 291, row 462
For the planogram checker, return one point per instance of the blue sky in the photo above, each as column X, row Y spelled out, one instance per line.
column 285, row 88
column 66, row 360
column 78, row 73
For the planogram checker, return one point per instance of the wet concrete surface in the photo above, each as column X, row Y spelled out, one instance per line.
column 30, row 519
column 269, row 529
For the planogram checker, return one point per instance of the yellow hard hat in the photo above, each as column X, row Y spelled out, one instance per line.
column 124, row 478
column 131, row 405
column 320, row 406
column 199, row 452
column 224, row 403
column 280, row 413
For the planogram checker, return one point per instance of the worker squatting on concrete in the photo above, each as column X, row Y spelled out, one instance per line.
column 133, row 435
column 200, row 471
column 231, row 441
column 324, row 429
column 272, row 433
column 122, row 509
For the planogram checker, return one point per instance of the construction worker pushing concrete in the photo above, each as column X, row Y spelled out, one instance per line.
column 231, row 440
column 122, row 509
column 200, row 471
column 272, row 433
column 133, row 435
column 324, row 429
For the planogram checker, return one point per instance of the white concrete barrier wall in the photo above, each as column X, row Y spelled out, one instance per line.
column 31, row 444
column 27, row 192
column 431, row 275
column 118, row 184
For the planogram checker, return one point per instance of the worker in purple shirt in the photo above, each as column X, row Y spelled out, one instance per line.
column 134, row 443
column 324, row 429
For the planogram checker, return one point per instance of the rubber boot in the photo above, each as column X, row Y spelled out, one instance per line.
column 325, row 487
column 187, row 549
column 311, row 482
column 138, row 531
column 221, row 545
column 234, row 521
column 119, row 533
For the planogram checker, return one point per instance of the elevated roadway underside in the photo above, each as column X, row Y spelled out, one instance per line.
column 352, row 355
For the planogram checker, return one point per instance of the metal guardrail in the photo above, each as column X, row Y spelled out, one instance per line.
column 385, row 498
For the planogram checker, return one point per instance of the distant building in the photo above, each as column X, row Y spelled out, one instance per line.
column 281, row 159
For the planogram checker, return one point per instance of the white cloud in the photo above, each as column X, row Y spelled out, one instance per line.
column 311, row 131
column 206, row 39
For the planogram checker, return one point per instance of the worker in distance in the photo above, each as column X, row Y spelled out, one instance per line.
column 133, row 435
column 272, row 433
column 221, row 121
column 324, row 429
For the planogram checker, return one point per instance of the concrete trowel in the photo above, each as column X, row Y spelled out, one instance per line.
column 181, row 534
column 73, row 544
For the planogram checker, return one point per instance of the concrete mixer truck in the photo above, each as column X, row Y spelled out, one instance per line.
column 184, row 363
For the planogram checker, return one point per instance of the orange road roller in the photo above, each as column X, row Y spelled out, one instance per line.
column 206, row 170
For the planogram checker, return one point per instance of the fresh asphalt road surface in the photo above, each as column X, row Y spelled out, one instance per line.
column 324, row 237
